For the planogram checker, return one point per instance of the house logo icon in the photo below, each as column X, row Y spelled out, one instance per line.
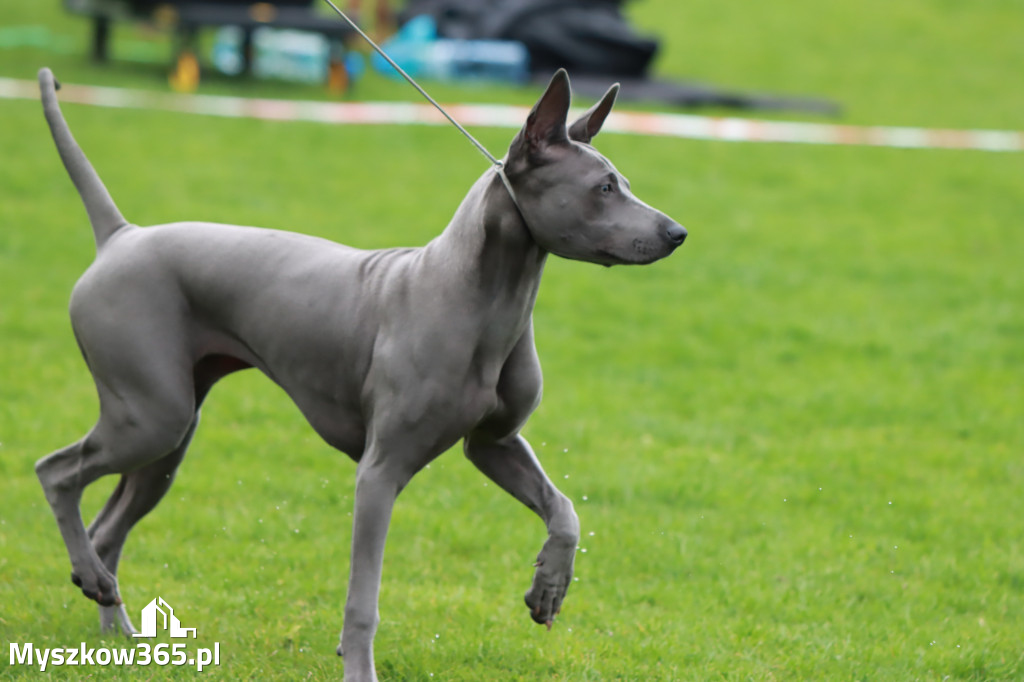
column 170, row 622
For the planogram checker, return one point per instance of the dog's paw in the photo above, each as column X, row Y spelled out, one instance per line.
column 102, row 589
column 550, row 580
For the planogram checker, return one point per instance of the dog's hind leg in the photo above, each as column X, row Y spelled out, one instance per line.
column 137, row 493
column 147, row 412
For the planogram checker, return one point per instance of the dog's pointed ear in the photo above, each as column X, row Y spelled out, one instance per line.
column 545, row 126
column 589, row 124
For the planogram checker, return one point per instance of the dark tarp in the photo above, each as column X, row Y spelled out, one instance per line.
column 584, row 36
column 593, row 40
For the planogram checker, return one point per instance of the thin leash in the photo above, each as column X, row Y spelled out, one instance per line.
column 499, row 166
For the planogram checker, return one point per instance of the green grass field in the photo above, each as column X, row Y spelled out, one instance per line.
column 796, row 447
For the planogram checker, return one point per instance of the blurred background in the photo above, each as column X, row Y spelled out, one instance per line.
column 730, row 55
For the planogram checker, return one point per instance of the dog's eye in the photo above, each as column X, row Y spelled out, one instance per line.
column 607, row 188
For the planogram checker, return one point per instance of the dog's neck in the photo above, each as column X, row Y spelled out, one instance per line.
column 488, row 251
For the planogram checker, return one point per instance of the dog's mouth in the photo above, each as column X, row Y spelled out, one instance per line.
column 649, row 252
column 641, row 252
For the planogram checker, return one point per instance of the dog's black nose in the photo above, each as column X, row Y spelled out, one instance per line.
column 676, row 233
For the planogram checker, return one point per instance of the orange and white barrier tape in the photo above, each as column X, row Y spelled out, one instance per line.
column 501, row 116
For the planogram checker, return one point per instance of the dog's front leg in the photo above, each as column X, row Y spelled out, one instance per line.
column 510, row 463
column 378, row 482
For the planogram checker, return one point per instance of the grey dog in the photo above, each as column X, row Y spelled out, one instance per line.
column 392, row 355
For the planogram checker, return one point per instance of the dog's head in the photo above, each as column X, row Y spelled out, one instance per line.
column 575, row 203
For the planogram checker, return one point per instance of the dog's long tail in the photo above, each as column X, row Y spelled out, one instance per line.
column 106, row 219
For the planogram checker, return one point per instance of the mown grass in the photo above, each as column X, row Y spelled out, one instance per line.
column 795, row 446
